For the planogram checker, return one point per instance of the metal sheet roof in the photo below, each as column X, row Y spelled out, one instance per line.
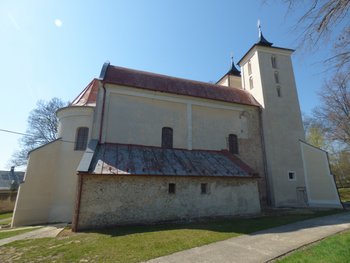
column 119, row 159
column 88, row 96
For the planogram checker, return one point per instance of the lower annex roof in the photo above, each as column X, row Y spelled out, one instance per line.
column 121, row 159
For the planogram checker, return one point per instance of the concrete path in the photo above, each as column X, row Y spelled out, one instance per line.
column 46, row 231
column 264, row 245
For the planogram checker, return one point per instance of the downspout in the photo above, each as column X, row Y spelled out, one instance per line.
column 262, row 137
column 103, row 111
column 77, row 206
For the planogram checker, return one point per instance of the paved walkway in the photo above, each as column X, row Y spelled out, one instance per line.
column 264, row 245
column 46, row 231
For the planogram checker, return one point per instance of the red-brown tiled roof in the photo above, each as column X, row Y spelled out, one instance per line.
column 122, row 159
column 88, row 96
column 162, row 83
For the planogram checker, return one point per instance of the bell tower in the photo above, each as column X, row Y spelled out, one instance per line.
column 267, row 73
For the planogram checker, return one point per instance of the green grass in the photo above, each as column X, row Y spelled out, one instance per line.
column 344, row 194
column 6, row 215
column 332, row 249
column 11, row 233
column 138, row 243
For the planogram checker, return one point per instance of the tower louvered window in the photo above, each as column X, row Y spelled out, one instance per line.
column 81, row 139
column 273, row 62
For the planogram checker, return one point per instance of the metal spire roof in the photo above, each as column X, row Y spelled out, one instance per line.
column 262, row 41
column 233, row 70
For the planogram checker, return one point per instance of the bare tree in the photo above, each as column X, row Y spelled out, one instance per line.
column 327, row 20
column 334, row 111
column 42, row 129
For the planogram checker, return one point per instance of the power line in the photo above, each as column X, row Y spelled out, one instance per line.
column 14, row 132
column 27, row 134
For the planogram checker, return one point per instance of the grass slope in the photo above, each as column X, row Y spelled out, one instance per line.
column 332, row 249
column 344, row 194
column 138, row 243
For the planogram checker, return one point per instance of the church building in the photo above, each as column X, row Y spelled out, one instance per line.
column 136, row 147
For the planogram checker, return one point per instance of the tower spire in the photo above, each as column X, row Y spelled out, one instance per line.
column 262, row 41
column 233, row 70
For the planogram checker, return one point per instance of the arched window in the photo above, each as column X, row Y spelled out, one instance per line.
column 81, row 138
column 233, row 143
column 167, row 137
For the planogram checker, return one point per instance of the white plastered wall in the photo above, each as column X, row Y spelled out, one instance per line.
column 48, row 192
column 320, row 185
column 282, row 124
column 35, row 194
column 137, row 117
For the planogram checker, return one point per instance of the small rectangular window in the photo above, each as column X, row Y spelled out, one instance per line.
column 204, row 188
column 291, row 176
column 172, row 188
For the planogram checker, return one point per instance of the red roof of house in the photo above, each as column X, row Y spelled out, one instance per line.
column 162, row 83
column 121, row 159
column 88, row 96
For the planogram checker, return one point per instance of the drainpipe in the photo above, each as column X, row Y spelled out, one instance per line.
column 262, row 137
column 103, row 111
column 77, row 206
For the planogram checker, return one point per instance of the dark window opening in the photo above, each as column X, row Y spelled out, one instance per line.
column 167, row 137
column 291, row 176
column 204, row 188
column 233, row 143
column 171, row 188
column 81, row 139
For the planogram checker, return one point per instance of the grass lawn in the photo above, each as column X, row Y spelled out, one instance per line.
column 5, row 218
column 137, row 243
column 344, row 194
column 332, row 249
column 9, row 233
column 6, row 215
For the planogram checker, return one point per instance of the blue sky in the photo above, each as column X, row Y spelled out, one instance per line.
column 54, row 48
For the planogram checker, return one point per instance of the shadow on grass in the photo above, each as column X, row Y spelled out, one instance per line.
column 233, row 225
